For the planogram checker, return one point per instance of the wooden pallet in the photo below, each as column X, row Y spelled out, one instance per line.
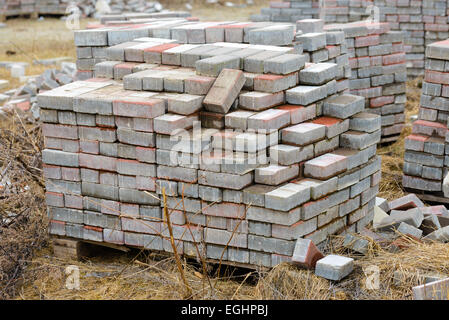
column 76, row 249
column 384, row 141
column 65, row 247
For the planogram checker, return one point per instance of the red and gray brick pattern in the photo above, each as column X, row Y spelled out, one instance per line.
column 250, row 162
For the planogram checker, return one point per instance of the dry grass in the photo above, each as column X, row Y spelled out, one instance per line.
column 218, row 12
column 22, row 206
column 25, row 40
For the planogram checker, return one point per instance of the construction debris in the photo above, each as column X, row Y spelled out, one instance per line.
column 24, row 98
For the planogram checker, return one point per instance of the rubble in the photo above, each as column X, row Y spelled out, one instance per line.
column 24, row 98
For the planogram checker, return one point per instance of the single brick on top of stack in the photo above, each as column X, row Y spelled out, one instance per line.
column 109, row 152
column 377, row 61
column 426, row 155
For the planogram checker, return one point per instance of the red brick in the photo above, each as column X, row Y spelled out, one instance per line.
column 226, row 209
column 51, row 172
column 146, row 183
column 393, row 58
column 73, row 201
column 380, row 101
column 161, row 48
column 54, row 199
column 59, row 131
column 436, row 77
column 97, row 162
column 429, row 128
column 70, row 174
column 311, row 256
column 366, row 41
column 148, row 108
column 90, row 146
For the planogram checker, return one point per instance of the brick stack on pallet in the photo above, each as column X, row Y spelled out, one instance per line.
column 56, row 7
column 254, row 150
column 9, row 8
column 379, row 72
column 426, row 154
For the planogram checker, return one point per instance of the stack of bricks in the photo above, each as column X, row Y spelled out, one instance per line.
column 378, row 64
column 288, row 11
column 56, row 7
column 108, row 42
column 332, row 11
column 426, row 154
column 254, row 148
column 421, row 21
column 9, row 8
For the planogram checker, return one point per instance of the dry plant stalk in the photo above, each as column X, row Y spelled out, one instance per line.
column 175, row 250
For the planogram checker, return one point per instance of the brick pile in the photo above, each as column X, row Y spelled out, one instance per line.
column 426, row 154
column 288, row 11
column 114, row 43
column 253, row 151
column 422, row 22
column 379, row 73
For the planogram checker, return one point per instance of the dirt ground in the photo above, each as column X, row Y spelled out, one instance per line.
column 30, row 271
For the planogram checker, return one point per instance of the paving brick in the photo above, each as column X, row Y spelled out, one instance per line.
column 275, row 175
column 213, row 66
column 198, row 85
column 333, row 267
column 185, row 104
column 168, row 123
column 257, row 101
column 305, row 95
column 343, row 106
column 409, row 201
column 272, row 35
column 284, row 64
column 325, row 166
column 287, row 197
column 306, row 254
column 312, row 41
column 274, row 83
column 318, row 74
column 224, row 91
column 303, row 133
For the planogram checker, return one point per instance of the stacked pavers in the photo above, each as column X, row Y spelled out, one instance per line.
column 318, row 47
column 288, row 11
column 426, row 153
column 245, row 174
column 422, row 22
column 378, row 64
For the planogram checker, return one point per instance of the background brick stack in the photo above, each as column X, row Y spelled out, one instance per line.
column 426, row 155
column 288, row 11
column 378, row 64
column 109, row 152
column 422, row 22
